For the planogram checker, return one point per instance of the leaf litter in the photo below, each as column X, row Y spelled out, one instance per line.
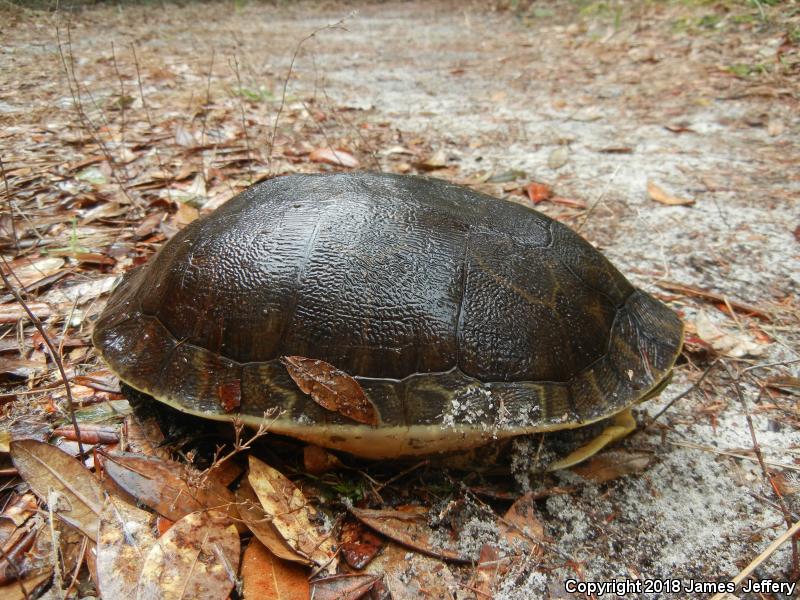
column 86, row 209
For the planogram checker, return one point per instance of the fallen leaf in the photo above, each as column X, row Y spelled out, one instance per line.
column 558, row 157
column 266, row 577
column 437, row 161
column 613, row 464
column 348, row 586
column 538, row 192
column 260, row 524
column 333, row 157
column 317, row 460
column 33, row 586
column 411, row 576
column 568, row 202
column 331, row 388
column 30, row 270
column 506, row 176
column 170, row 488
column 521, row 526
column 90, row 433
column 13, row 312
column 409, row 528
column 292, row 516
column 197, row 558
column 659, row 195
column 733, row 344
column 488, row 570
column 358, row 544
column 125, row 539
column 49, row 472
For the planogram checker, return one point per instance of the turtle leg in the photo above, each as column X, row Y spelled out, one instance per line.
column 621, row 425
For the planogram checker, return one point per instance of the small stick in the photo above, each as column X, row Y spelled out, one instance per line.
column 244, row 122
column 688, row 290
column 53, row 352
column 683, row 394
column 597, row 201
column 793, row 530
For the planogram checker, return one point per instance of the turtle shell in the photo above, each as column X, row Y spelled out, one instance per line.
column 463, row 317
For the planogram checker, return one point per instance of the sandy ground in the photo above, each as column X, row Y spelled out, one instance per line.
column 593, row 99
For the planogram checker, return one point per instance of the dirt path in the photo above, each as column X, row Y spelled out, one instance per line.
column 594, row 100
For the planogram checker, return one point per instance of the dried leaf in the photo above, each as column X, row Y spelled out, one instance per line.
column 732, row 344
column 613, row 464
column 261, row 525
column 331, row 388
column 47, row 470
column 197, row 558
column 13, row 590
column 538, row 192
column 266, row 577
column 351, row 586
column 415, row 577
column 125, row 539
column 168, row 487
column 90, row 433
column 317, row 460
column 520, row 525
column 558, row 157
column 358, row 544
column 409, row 528
column 333, row 157
column 13, row 312
column 292, row 516
column 30, row 270
column 659, row 195
column 437, row 161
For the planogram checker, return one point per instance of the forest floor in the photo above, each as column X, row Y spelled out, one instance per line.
column 667, row 133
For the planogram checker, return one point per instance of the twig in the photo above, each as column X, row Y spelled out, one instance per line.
column 683, row 394
column 53, row 352
column 792, row 531
column 336, row 25
column 12, row 563
column 603, row 192
column 10, row 205
column 688, row 290
column 244, row 121
column 712, row 449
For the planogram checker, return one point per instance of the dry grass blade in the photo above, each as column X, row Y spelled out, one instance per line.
column 197, row 558
column 48, row 469
column 410, row 529
column 659, row 195
column 291, row 514
column 266, row 577
column 125, row 539
column 331, row 388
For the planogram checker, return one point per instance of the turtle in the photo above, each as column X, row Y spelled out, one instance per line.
column 463, row 318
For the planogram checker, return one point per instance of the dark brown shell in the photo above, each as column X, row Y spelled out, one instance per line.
column 463, row 317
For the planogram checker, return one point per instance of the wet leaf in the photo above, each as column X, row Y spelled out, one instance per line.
column 125, row 539
column 266, row 577
column 659, row 195
column 261, row 525
column 343, row 587
column 197, row 558
column 358, row 544
column 48, row 470
column 538, row 192
column 409, row 528
column 168, row 487
column 613, row 464
column 735, row 344
column 333, row 157
column 292, row 516
column 331, row 388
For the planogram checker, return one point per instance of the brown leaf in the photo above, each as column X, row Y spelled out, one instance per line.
column 292, row 516
column 197, row 558
column 266, row 577
column 13, row 312
column 317, row 460
column 331, row 388
column 571, row 202
column 408, row 528
column 358, row 544
column 730, row 343
column 488, row 570
column 142, row 435
column 33, row 584
column 613, row 464
column 520, row 525
column 168, row 487
column 350, row 586
column 415, row 577
column 333, row 157
column 659, row 195
column 538, row 192
column 125, row 539
column 261, row 525
column 49, row 471
column 91, row 433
